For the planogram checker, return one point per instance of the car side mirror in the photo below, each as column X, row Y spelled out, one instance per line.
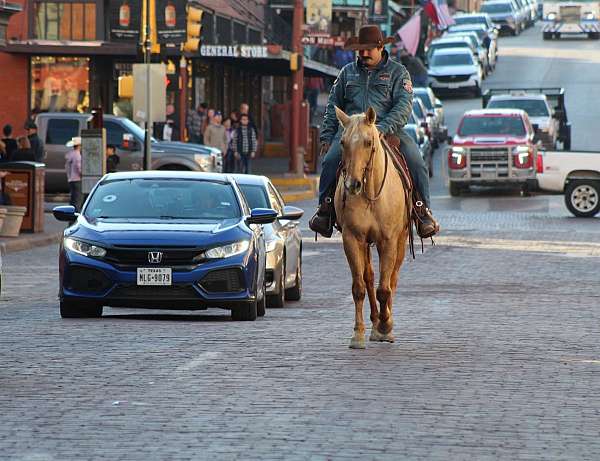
column 65, row 213
column 424, row 125
column 291, row 213
column 261, row 216
column 430, row 114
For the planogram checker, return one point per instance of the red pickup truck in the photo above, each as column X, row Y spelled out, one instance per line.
column 493, row 147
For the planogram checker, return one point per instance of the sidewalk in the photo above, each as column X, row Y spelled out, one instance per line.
column 292, row 188
column 53, row 230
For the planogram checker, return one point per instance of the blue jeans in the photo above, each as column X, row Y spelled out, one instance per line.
column 409, row 148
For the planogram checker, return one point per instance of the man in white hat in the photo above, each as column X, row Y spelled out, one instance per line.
column 73, row 168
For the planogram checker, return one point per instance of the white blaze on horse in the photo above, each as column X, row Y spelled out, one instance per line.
column 371, row 208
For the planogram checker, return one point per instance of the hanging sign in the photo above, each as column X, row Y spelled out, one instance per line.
column 318, row 17
column 234, row 51
column 125, row 20
column 171, row 21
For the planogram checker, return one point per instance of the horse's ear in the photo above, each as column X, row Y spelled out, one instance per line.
column 370, row 116
column 342, row 117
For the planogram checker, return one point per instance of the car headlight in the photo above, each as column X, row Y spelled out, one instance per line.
column 227, row 251
column 205, row 161
column 521, row 150
column 84, row 248
column 551, row 16
column 589, row 16
column 271, row 245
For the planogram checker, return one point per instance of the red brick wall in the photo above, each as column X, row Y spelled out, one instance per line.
column 14, row 77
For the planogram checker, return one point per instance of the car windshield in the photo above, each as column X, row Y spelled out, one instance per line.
column 460, row 20
column 471, row 37
column 533, row 107
column 441, row 46
column 495, row 8
column 418, row 109
column 494, row 125
column 255, row 195
column 462, row 59
column 423, row 95
column 475, row 29
column 163, row 199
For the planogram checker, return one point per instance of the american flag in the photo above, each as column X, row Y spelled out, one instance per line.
column 443, row 14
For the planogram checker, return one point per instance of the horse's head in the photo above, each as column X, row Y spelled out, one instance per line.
column 358, row 147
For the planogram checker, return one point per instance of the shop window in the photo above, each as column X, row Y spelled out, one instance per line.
column 61, row 131
column 254, row 37
column 65, row 21
column 239, row 33
column 208, row 29
column 59, row 84
column 223, row 31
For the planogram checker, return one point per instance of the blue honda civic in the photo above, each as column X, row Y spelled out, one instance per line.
column 163, row 240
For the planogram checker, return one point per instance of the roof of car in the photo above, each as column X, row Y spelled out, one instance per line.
column 462, row 15
column 450, row 38
column 169, row 174
column 453, row 51
column 466, row 26
column 512, row 96
column 488, row 112
column 250, row 179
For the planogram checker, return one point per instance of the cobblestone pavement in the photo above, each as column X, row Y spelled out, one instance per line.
column 496, row 357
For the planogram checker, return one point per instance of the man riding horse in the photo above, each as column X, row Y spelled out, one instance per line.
column 378, row 81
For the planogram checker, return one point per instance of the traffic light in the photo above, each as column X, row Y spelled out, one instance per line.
column 194, row 27
column 125, row 88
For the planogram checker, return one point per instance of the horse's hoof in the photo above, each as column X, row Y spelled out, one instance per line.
column 375, row 335
column 381, row 337
column 357, row 343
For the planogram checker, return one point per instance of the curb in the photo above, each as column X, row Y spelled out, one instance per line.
column 297, row 196
column 29, row 242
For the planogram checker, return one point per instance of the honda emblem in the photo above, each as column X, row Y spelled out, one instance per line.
column 155, row 257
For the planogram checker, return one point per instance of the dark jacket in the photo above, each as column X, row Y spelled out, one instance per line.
column 11, row 147
column 112, row 162
column 37, row 147
column 388, row 89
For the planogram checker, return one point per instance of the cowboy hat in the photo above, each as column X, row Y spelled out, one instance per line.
column 369, row 36
column 76, row 141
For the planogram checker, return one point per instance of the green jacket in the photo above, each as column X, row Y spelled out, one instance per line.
column 388, row 89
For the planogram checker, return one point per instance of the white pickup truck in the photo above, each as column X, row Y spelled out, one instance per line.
column 574, row 173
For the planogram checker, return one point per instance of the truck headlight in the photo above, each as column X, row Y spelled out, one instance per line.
column 84, row 248
column 226, row 251
column 551, row 17
column 589, row 16
column 204, row 161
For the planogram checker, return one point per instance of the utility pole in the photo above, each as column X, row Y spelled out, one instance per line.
column 295, row 164
column 147, row 59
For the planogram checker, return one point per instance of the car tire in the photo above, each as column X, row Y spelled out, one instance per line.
column 455, row 189
column 261, row 306
column 547, row 36
column 582, row 197
column 245, row 312
column 477, row 92
column 295, row 293
column 78, row 309
column 430, row 165
column 277, row 301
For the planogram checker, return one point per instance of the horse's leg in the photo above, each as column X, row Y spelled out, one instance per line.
column 370, row 284
column 355, row 254
column 387, row 262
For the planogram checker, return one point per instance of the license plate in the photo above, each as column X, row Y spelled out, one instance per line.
column 488, row 174
column 453, row 86
column 154, row 276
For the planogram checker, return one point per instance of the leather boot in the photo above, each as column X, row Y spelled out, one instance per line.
column 427, row 226
column 322, row 222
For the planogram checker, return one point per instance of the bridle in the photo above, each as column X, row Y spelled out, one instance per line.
column 366, row 172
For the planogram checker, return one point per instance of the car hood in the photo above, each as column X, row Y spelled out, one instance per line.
column 488, row 140
column 543, row 123
column 452, row 70
column 183, row 147
column 172, row 233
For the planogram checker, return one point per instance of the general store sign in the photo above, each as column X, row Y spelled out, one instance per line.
column 234, row 51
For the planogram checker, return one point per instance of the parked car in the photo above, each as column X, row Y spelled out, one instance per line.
column 505, row 15
column 283, row 239
column 423, row 120
column 57, row 128
column 493, row 147
column 163, row 239
column 435, row 110
column 577, row 175
column 424, row 144
column 476, row 33
column 455, row 70
column 545, row 107
column 484, row 19
column 451, row 41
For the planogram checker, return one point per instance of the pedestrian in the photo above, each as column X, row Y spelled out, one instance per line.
column 73, row 169
column 234, row 116
column 37, row 146
column 112, row 159
column 195, row 123
column 215, row 134
column 416, row 68
column 393, row 108
column 313, row 87
column 244, row 144
column 228, row 155
column 3, row 156
column 245, row 110
column 9, row 142
column 24, row 152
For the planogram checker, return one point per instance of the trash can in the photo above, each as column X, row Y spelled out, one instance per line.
column 24, row 187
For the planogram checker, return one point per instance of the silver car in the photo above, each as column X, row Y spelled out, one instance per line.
column 283, row 239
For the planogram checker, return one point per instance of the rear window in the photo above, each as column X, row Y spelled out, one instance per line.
column 533, row 107
column 163, row 199
column 60, row 131
column 462, row 59
column 423, row 95
column 492, row 125
column 418, row 109
column 460, row 20
column 495, row 8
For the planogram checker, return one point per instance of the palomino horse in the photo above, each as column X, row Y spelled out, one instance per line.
column 370, row 206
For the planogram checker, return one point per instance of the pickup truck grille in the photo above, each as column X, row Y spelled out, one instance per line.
column 570, row 14
column 452, row 78
column 489, row 163
column 178, row 258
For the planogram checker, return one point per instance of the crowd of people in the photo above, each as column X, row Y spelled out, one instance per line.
column 236, row 135
column 22, row 148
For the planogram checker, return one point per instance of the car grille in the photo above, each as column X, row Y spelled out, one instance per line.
column 452, row 78
column 223, row 281
column 178, row 258
column 491, row 162
column 173, row 292
column 570, row 13
column 86, row 280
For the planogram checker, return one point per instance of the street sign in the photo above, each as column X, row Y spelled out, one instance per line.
column 158, row 92
column 93, row 160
